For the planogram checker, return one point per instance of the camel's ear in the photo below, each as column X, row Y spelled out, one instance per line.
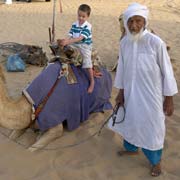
column 2, row 74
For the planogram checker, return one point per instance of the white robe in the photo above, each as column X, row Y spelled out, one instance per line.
column 145, row 73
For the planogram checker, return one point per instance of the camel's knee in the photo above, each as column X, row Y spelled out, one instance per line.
column 16, row 133
column 47, row 137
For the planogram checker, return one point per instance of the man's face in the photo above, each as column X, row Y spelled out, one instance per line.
column 135, row 24
column 82, row 17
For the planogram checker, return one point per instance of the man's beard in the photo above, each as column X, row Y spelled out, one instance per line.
column 135, row 36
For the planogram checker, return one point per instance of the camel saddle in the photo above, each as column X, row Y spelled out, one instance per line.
column 72, row 55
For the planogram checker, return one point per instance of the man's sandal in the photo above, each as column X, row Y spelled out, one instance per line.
column 156, row 170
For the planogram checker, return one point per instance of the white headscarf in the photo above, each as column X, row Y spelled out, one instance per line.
column 135, row 9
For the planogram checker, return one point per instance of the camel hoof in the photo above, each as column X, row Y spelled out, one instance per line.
column 32, row 149
column 16, row 133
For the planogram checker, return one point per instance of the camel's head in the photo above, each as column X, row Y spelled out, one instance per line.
column 2, row 74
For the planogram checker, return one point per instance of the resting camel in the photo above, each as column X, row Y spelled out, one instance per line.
column 16, row 115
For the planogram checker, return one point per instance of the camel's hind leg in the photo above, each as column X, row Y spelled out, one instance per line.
column 16, row 133
column 47, row 137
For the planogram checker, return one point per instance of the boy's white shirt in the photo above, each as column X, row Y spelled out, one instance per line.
column 86, row 23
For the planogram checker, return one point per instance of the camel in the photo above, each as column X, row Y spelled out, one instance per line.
column 16, row 115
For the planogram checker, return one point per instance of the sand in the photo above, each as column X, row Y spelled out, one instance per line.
column 96, row 158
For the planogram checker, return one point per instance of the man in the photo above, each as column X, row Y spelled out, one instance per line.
column 146, row 87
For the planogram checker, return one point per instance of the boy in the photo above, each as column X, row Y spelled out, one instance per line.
column 80, row 36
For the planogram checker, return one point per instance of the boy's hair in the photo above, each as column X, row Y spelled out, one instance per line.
column 85, row 8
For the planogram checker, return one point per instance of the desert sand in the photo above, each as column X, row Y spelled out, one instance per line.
column 95, row 158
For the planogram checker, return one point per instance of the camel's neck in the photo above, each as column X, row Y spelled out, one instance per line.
column 15, row 114
column 3, row 92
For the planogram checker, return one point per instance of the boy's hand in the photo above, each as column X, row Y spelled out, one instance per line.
column 59, row 41
column 63, row 42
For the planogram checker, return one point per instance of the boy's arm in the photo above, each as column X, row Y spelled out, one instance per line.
column 64, row 42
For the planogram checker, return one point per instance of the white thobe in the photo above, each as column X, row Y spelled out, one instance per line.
column 146, row 75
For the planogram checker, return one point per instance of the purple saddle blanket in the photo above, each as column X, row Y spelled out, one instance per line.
column 68, row 102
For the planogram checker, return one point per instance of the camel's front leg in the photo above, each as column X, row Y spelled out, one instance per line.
column 16, row 133
column 47, row 137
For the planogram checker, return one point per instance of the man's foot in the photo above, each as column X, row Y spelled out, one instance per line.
column 156, row 170
column 130, row 153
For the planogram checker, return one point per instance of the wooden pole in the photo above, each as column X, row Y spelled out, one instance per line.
column 50, row 39
column 53, row 22
column 60, row 6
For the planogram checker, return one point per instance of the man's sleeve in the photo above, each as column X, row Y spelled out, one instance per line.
column 118, row 82
column 168, row 79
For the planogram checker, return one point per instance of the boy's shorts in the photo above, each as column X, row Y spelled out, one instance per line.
column 86, row 53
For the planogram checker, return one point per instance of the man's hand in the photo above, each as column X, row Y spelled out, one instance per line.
column 120, row 97
column 168, row 106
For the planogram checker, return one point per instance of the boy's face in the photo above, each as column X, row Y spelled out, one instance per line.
column 82, row 17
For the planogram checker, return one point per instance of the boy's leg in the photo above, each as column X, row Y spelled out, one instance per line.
column 154, row 158
column 91, row 78
column 87, row 64
column 130, row 149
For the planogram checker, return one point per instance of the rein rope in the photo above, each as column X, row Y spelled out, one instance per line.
column 44, row 101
